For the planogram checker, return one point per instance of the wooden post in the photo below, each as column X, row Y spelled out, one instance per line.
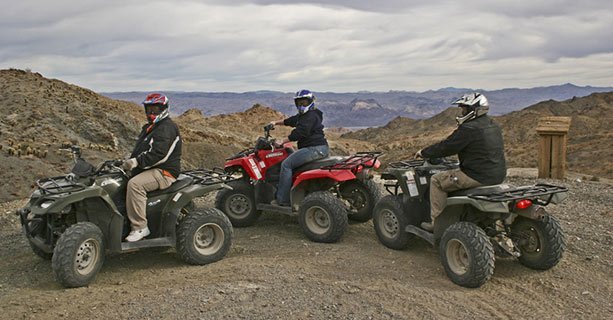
column 553, row 133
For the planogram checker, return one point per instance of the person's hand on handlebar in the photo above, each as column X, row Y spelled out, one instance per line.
column 129, row 164
column 418, row 155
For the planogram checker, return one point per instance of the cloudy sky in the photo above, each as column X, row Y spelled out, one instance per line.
column 342, row 46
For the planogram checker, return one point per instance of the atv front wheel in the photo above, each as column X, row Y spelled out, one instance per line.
column 78, row 255
column 362, row 196
column 540, row 242
column 323, row 217
column 467, row 254
column 204, row 236
column 238, row 204
column 390, row 223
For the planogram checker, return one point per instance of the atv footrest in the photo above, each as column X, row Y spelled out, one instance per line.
column 276, row 209
column 147, row 243
column 420, row 233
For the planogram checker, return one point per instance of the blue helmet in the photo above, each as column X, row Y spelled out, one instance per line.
column 304, row 100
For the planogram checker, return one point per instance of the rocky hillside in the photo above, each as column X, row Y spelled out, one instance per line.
column 44, row 115
column 591, row 130
column 41, row 115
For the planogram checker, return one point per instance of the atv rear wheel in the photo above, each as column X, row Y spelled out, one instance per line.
column 78, row 255
column 238, row 204
column 541, row 243
column 323, row 217
column 204, row 236
column 467, row 254
column 390, row 223
column 362, row 196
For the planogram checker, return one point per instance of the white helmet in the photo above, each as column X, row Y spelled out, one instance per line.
column 476, row 105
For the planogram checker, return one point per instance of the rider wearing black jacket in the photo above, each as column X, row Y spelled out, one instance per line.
column 308, row 129
column 480, row 148
column 312, row 144
column 158, row 147
column 155, row 162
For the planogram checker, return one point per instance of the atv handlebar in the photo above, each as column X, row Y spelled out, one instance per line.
column 267, row 129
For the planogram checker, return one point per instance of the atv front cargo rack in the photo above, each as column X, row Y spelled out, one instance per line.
column 535, row 192
column 58, row 185
column 209, row 176
column 358, row 159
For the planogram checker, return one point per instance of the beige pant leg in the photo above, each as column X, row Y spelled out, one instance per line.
column 447, row 181
column 136, row 194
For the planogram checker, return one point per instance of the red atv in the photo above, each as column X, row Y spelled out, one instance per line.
column 324, row 194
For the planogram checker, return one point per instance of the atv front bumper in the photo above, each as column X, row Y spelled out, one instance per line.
column 25, row 225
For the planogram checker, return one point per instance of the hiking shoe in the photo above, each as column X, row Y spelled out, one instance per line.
column 428, row 226
column 136, row 235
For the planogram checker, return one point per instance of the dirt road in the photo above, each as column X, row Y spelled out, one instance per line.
column 274, row 272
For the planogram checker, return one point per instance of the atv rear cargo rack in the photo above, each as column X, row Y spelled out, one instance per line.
column 58, row 185
column 413, row 163
column 358, row 159
column 535, row 192
column 209, row 176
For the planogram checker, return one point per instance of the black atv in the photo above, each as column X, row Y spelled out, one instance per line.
column 75, row 219
column 475, row 225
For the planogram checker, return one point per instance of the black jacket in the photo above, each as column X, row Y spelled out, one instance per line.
column 309, row 131
column 159, row 148
column 479, row 146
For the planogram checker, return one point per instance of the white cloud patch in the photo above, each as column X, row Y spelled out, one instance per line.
column 326, row 46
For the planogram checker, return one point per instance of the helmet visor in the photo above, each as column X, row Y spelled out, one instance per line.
column 154, row 108
column 302, row 102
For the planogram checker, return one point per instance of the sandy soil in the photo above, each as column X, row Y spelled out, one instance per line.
column 274, row 272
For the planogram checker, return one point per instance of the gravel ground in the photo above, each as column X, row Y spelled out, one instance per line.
column 274, row 272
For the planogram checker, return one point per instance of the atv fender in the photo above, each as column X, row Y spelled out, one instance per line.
column 100, row 210
column 455, row 208
column 483, row 206
column 335, row 175
column 317, row 180
column 180, row 200
column 249, row 165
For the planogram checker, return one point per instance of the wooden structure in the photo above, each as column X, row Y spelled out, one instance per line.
column 552, row 133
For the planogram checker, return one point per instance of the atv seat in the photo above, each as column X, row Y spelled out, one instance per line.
column 479, row 190
column 319, row 163
column 181, row 183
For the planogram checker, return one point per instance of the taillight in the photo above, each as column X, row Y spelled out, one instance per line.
column 523, row 204
column 377, row 164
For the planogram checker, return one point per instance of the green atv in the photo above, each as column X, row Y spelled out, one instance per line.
column 476, row 225
column 75, row 219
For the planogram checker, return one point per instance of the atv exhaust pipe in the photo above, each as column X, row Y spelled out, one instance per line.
column 534, row 212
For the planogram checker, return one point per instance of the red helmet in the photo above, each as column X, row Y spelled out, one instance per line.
column 156, row 107
column 156, row 98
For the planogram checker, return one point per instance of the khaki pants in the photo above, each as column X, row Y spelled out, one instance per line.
column 136, row 194
column 447, row 181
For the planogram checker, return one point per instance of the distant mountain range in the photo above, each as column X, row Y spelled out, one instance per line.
column 364, row 109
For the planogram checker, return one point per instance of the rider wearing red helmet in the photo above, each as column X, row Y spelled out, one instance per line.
column 155, row 162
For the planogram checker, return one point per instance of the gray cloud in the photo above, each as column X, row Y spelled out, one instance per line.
column 324, row 45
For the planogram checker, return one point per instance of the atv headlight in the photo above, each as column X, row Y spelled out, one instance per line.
column 46, row 204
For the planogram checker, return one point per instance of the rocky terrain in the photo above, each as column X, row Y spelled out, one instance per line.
column 274, row 272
